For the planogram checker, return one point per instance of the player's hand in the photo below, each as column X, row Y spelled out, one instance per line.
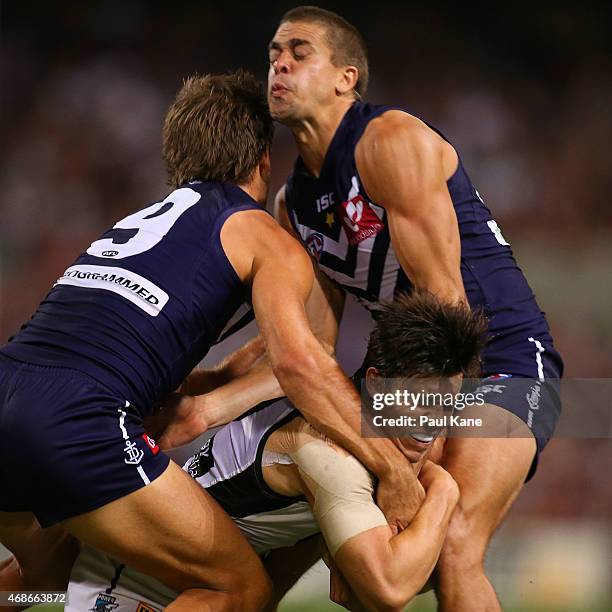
column 434, row 475
column 179, row 420
column 400, row 496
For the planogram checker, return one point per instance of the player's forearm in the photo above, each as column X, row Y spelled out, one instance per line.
column 231, row 400
column 387, row 572
column 415, row 551
column 328, row 400
column 204, row 380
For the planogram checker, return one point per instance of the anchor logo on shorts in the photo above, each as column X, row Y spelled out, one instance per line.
column 134, row 454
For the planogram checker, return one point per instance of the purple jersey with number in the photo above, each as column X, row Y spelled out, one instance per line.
column 348, row 234
column 143, row 305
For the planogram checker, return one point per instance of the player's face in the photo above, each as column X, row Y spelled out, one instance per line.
column 417, row 438
column 423, row 435
column 301, row 78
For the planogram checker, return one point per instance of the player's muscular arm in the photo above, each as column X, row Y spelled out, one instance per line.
column 387, row 498
column 212, row 397
column 281, row 275
column 248, row 378
column 244, row 378
column 387, row 572
column 404, row 167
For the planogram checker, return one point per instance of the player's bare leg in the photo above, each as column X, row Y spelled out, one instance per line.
column 43, row 557
column 490, row 473
column 174, row 531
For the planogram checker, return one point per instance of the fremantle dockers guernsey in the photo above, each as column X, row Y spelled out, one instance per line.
column 143, row 305
column 347, row 233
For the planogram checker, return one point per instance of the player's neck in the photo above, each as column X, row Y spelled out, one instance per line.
column 258, row 183
column 313, row 136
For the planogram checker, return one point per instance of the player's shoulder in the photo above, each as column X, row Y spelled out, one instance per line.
column 394, row 127
column 257, row 232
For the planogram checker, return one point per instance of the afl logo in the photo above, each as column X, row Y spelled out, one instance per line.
column 314, row 245
column 109, row 253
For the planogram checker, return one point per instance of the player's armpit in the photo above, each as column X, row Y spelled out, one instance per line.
column 404, row 166
column 281, row 277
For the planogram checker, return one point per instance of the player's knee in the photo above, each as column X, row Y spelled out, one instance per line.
column 256, row 593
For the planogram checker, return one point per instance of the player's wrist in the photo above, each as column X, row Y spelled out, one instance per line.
column 445, row 486
column 397, row 472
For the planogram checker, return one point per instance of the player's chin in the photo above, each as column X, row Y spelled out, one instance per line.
column 280, row 110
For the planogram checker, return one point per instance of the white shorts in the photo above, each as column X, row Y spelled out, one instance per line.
column 99, row 583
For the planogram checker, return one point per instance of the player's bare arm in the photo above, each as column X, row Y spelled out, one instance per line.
column 404, row 166
column 384, row 570
column 247, row 385
column 386, row 496
column 213, row 397
column 204, row 380
column 282, row 276
column 387, row 572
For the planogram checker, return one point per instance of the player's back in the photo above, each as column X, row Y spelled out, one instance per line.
column 142, row 306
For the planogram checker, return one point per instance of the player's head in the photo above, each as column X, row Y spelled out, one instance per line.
column 422, row 344
column 316, row 57
column 218, row 128
column 418, row 335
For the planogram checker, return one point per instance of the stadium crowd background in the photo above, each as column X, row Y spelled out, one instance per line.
column 523, row 90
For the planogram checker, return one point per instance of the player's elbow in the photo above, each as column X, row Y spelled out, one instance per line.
column 391, row 594
column 385, row 596
column 295, row 367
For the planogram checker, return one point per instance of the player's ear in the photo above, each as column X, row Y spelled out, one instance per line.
column 374, row 381
column 347, row 80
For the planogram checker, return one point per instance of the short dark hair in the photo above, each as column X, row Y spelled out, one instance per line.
column 346, row 43
column 419, row 335
column 217, row 129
